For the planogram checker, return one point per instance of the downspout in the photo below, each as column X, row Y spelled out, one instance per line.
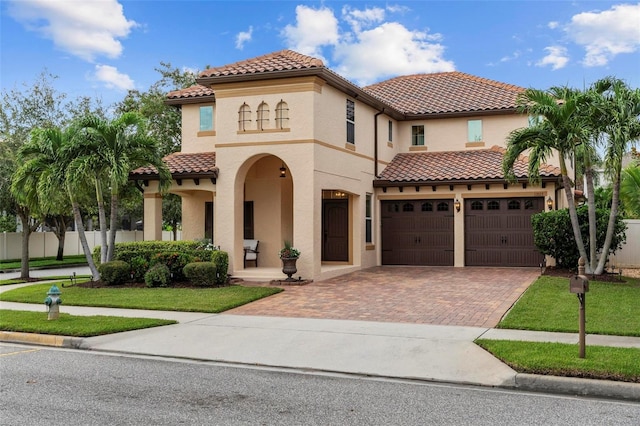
column 375, row 144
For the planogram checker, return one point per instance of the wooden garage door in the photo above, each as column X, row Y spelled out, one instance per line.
column 417, row 232
column 498, row 232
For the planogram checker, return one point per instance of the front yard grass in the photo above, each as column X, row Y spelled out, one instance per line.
column 611, row 308
column 44, row 262
column 70, row 325
column 560, row 359
column 210, row 300
column 547, row 305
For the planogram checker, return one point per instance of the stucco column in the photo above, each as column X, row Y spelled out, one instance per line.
column 152, row 217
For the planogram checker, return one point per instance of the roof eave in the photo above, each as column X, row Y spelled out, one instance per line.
column 470, row 113
column 383, row 183
column 190, row 100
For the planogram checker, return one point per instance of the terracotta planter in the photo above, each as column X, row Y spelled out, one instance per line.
column 289, row 267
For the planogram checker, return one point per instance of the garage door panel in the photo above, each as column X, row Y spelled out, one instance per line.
column 498, row 232
column 417, row 232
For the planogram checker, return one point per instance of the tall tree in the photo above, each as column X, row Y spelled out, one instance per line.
column 35, row 105
column 618, row 118
column 559, row 130
column 42, row 179
column 112, row 149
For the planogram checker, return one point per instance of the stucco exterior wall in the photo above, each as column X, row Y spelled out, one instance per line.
column 193, row 214
column 192, row 139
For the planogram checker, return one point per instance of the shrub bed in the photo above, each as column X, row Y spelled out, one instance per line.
column 115, row 272
column 201, row 273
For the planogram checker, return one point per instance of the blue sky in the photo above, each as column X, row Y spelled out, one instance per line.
column 102, row 48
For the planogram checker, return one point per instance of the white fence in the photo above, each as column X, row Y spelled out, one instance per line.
column 629, row 255
column 45, row 244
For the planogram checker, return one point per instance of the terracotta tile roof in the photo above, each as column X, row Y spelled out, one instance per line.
column 183, row 164
column 195, row 91
column 451, row 166
column 446, row 92
column 276, row 61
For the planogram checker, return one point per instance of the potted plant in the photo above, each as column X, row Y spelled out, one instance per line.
column 289, row 256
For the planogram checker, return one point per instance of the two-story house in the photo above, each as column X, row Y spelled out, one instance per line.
column 407, row 171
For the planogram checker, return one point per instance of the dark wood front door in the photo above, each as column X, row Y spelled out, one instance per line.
column 208, row 220
column 335, row 230
column 417, row 232
column 498, row 232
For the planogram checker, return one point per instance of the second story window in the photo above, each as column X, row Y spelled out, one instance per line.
column 351, row 121
column 474, row 131
column 417, row 135
column 263, row 116
column 244, row 117
column 390, row 131
column 206, row 118
column 282, row 115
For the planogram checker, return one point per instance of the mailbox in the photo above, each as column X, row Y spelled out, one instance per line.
column 578, row 284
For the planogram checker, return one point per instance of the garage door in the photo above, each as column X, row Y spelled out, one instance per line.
column 498, row 232
column 417, row 232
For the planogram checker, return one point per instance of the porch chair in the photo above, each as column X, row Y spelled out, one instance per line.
column 251, row 251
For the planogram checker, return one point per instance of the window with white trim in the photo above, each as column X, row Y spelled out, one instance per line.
column 351, row 121
column 368, row 220
column 244, row 117
column 282, row 115
column 262, row 116
column 417, row 135
column 474, row 131
column 206, row 118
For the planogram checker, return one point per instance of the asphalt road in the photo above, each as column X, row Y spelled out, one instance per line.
column 47, row 386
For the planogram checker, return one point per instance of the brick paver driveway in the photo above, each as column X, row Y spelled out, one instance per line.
column 470, row 296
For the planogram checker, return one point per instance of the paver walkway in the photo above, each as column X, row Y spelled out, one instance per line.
column 474, row 297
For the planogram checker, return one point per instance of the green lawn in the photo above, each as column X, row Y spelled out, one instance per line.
column 610, row 308
column 69, row 325
column 547, row 305
column 66, row 280
column 44, row 262
column 211, row 300
column 559, row 359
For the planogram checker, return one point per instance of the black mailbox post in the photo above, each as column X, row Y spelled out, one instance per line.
column 579, row 285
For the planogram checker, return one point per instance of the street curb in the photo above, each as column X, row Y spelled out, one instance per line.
column 578, row 386
column 41, row 339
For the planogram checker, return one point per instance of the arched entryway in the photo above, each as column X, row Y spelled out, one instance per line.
column 267, row 206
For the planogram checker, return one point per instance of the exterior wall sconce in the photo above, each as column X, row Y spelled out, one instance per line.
column 456, row 204
column 549, row 203
column 283, row 171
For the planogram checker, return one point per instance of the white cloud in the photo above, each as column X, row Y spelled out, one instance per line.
column 112, row 78
column 398, row 49
column 557, row 57
column 83, row 28
column 314, row 28
column 606, row 34
column 243, row 37
column 553, row 25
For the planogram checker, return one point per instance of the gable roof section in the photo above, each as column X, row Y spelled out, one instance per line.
column 196, row 94
column 445, row 93
column 182, row 166
column 451, row 167
column 284, row 60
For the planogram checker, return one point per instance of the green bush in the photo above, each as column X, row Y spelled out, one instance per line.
column 174, row 261
column 148, row 249
column 553, row 234
column 157, row 276
column 221, row 260
column 139, row 266
column 114, row 273
column 201, row 273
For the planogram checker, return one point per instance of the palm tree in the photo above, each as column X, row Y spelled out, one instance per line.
column 112, row 149
column 559, row 129
column 43, row 173
column 618, row 119
column 630, row 191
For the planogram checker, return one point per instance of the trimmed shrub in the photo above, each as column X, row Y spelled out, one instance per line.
column 553, row 234
column 221, row 260
column 201, row 273
column 157, row 276
column 114, row 273
column 139, row 266
column 148, row 249
column 174, row 261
